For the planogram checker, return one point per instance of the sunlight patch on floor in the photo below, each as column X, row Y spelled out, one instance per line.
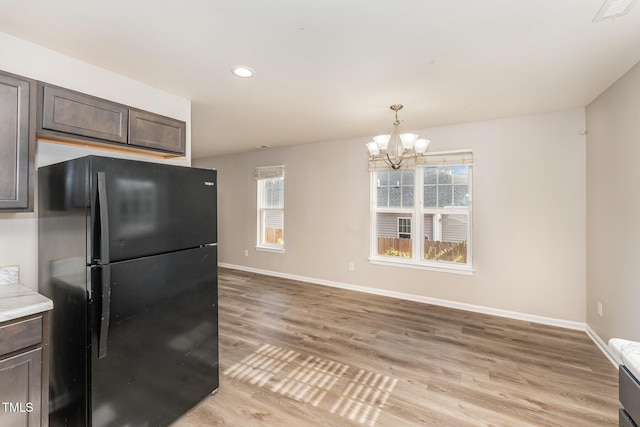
column 352, row 393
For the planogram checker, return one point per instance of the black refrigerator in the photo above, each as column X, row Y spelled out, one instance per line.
column 128, row 254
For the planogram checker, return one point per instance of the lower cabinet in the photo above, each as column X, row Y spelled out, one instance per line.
column 21, row 379
column 24, row 385
column 624, row 420
column 629, row 394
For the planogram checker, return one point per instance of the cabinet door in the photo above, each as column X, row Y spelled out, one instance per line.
column 74, row 113
column 21, row 389
column 17, row 142
column 150, row 130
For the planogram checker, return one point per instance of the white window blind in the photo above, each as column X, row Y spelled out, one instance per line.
column 442, row 158
column 268, row 172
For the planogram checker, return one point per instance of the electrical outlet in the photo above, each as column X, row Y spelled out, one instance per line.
column 352, row 266
column 246, row 252
column 599, row 308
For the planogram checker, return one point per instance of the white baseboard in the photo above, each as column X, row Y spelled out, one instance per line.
column 443, row 303
column 604, row 348
column 417, row 298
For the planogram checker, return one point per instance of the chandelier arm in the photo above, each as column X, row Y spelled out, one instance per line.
column 395, row 166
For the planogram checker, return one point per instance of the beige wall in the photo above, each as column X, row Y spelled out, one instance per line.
column 529, row 221
column 18, row 232
column 613, row 209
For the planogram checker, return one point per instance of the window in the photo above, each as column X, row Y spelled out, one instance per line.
column 404, row 228
column 421, row 215
column 270, row 212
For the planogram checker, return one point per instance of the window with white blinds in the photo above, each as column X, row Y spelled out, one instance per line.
column 421, row 214
column 270, row 208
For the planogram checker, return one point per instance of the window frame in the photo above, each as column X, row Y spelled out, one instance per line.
column 262, row 176
column 417, row 213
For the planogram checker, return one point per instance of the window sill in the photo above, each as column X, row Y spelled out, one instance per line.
column 408, row 263
column 274, row 249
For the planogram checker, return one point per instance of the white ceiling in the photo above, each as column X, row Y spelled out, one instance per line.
column 330, row 69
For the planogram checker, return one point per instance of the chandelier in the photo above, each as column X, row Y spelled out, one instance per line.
column 397, row 147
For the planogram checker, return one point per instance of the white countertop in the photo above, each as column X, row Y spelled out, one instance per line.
column 17, row 300
column 626, row 353
column 9, row 274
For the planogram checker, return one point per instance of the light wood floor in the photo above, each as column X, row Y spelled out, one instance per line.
column 299, row 354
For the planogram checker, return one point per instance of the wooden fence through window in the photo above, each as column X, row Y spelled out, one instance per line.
column 395, row 247
column 274, row 236
column 433, row 250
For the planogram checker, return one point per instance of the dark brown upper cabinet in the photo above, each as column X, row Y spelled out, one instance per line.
column 150, row 130
column 67, row 112
column 17, row 142
column 69, row 115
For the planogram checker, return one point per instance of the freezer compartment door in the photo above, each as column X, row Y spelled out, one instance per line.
column 141, row 208
column 156, row 355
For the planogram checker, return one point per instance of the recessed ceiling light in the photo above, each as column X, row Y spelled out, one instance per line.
column 612, row 9
column 242, row 71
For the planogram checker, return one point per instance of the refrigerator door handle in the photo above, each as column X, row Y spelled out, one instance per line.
column 104, row 218
column 105, row 311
